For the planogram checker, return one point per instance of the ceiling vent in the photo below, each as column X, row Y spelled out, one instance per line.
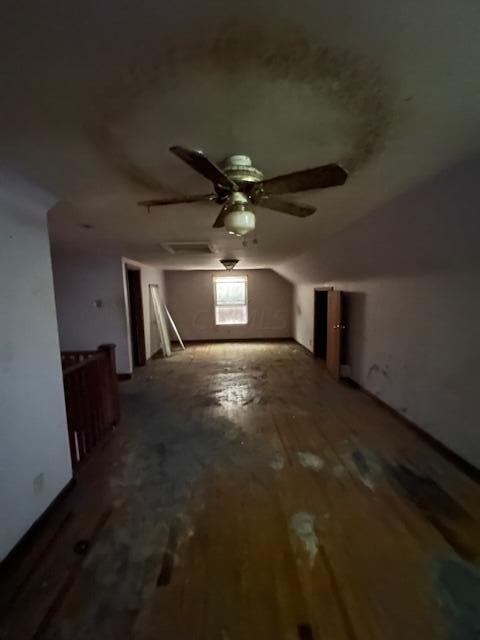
column 188, row 248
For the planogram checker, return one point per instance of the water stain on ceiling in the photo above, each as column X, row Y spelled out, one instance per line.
column 95, row 93
column 229, row 88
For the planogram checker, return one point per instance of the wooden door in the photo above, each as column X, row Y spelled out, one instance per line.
column 334, row 333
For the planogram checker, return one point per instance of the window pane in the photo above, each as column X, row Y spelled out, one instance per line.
column 230, row 292
column 231, row 315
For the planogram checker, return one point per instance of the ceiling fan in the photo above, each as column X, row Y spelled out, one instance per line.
column 238, row 185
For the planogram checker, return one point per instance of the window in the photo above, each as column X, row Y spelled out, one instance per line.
column 230, row 300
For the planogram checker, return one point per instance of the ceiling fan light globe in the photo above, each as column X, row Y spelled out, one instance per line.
column 239, row 222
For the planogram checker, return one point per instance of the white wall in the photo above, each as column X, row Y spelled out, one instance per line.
column 81, row 278
column 412, row 275
column 191, row 302
column 34, row 453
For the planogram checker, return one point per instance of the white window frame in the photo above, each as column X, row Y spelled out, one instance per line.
column 217, row 304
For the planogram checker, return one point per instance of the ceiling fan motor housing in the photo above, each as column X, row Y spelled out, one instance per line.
column 241, row 171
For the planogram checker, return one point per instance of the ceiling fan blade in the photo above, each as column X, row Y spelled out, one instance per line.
column 219, row 222
column 330, row 175
column 277, row 203
column 179, row 200
column 200, row 163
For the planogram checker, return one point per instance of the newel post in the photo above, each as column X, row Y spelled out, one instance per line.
column 109, row 350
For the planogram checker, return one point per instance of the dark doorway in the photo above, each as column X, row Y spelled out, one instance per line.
column 135, row 306
column 320, row 324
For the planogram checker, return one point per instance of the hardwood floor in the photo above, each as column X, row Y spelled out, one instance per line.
column 247, row 496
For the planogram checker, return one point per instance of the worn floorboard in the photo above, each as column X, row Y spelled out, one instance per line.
column 247, row 496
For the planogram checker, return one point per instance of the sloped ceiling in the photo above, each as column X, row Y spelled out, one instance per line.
column 94, row 93
column 431, row 229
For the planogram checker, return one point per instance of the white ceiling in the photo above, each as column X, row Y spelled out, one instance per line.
column 94, row 93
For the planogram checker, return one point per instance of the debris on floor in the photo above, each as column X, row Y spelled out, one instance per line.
column 309, row 460
column 278, row 462
column 302, row 524
column 459, row 595
column 364, row 468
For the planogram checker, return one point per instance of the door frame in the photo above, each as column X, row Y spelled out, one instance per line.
column 136, row 323
column 315, row 291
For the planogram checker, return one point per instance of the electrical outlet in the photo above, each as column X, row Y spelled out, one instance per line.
column 38, row 484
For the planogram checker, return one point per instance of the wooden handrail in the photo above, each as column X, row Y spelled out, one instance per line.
column 85, row 353
column 71, row 368
column 91, row 398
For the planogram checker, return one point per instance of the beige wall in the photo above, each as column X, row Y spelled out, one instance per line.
column 190, row 301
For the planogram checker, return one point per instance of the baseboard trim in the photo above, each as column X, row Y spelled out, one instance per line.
column 124, row 376
column 454, row 458
column 20, row 547
column 193, row 342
